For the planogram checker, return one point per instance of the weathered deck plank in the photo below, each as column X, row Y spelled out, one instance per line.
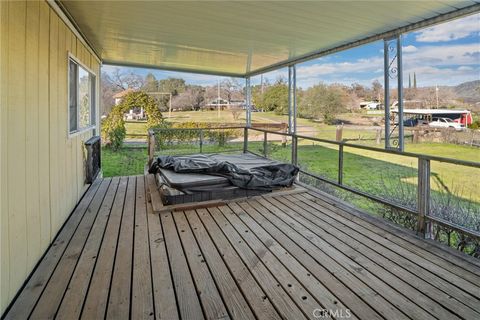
column 119, row 298
column 280, row 256
column 142, row 296
column 97, row 296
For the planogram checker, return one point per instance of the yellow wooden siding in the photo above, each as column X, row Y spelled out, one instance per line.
column 42, row 168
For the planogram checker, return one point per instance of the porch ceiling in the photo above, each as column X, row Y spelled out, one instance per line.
column 237, row 37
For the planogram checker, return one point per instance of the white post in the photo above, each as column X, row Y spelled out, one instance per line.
column 401, row 141
column 248, row 103
column 386, row 75
column 292, row 109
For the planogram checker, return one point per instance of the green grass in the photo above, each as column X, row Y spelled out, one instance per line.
column 366, row 170
column 123, row 162
column 134, row 127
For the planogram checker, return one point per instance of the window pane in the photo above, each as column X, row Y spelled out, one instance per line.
column 72, row 99
column 84, row 97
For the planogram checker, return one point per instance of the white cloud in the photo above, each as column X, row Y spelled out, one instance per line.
column 464, row 68
column 431, row 75
column 409, row 49
column 434, row 64
column 453, row 30
column 462, row 54
column 360, row 65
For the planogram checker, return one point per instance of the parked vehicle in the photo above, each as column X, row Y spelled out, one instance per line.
column 372, row 105
column 446, row 123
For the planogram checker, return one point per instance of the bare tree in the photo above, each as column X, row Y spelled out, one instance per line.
column 124, row 81
column 232, row 89
column 236, row 112
column 191, row 99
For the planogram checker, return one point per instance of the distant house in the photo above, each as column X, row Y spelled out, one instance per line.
column 225, row 104
column 132, row 114
column 217, row 103
column 118, row 97
column 371, row 105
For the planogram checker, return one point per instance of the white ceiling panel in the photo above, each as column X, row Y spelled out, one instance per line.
column 237, row 37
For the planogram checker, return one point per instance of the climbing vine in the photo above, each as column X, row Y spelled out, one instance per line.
column 113, row 127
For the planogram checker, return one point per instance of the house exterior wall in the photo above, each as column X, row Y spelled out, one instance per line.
column 42, row 167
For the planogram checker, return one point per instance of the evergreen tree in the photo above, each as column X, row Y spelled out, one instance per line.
column 409, row 81
column 414, row 80
column 151, row 83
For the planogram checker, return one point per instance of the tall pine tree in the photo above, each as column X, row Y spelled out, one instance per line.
column 414, row 80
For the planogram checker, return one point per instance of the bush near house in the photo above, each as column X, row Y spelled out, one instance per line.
column 113, row 127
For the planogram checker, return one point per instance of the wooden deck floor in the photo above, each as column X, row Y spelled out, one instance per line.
column 289, row 257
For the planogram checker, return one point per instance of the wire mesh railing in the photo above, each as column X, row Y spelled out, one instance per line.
column 418, row 191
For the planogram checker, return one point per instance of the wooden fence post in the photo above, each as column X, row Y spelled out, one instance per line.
column 339, row 133
column 294, row 149
column 151, row 146
column 340, row 164
column 378, row 137
column 265, row 144
column 284, row 138
column 423, row 196
column 245, row 140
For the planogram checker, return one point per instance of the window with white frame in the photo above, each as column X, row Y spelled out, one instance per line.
column 81, row 97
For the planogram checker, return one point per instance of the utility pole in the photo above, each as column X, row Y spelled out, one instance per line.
column 261, row 84
column 170, row 106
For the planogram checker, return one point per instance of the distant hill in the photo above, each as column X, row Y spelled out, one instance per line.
column 468, row 91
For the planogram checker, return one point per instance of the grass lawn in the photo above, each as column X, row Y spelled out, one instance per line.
column 123, row 162
column 373, row 172
column 134, row 127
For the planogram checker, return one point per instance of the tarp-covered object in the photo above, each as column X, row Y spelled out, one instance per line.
column 243, row 171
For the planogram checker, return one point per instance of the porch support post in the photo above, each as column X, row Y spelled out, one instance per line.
column 292, row 109
column 248, row 103
column 386, row 99
column 248, row 113
column 393, row 68
column 401, row 145
column 292, row 100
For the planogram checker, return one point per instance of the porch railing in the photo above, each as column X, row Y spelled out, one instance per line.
column 425, row 219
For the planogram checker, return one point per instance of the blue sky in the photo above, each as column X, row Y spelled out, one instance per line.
column 445, row 54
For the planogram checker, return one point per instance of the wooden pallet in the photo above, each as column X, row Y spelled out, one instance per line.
column 155, row 197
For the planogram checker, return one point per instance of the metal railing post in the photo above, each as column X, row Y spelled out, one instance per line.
column 386, row 101
column 340, row 164
column 201, row 140
column 265, row 145
column 423, row 196
column 401, row 143
column 245, row 140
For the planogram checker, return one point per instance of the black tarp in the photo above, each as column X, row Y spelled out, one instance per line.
column 244, row 171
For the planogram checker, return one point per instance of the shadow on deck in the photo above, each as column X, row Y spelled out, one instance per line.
column 291, row 256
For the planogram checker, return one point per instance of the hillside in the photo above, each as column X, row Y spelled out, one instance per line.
column 468, row 91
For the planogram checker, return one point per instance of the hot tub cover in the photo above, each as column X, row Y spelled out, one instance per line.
column 242, row 170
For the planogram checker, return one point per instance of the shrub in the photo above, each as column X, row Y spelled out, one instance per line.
column 140, row 99
column 113, row 129
column 475, row 125
column 182, row 133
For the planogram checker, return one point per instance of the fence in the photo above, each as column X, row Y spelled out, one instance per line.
column 286, row 147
